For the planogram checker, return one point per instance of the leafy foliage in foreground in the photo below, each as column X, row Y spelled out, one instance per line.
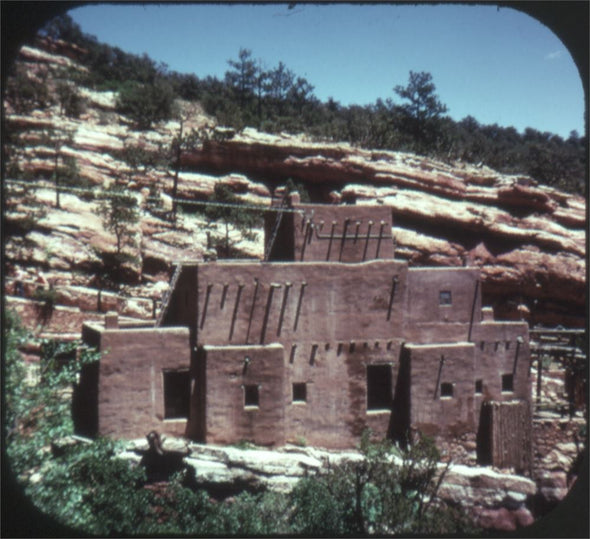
column 390, row 491
column 87, row 488
column 37, row 412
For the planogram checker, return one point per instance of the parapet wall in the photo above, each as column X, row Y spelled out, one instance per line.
column 442, row 296
column 317, row 232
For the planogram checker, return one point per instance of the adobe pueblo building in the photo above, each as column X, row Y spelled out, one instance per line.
column 328, row 337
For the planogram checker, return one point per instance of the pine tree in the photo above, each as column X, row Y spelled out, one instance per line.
column 421, row 114
column 119, row 213
column 57, row 139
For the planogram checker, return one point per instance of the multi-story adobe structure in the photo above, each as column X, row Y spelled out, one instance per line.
column 330, row 336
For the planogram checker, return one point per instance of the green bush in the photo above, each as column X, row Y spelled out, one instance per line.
column 25, row 92
column 226, row 208
column 37, row 413
column 70, row 101
column 252, row 515
column 318, row 510
column 119, row 212
column 390, row 491
column 146, row 104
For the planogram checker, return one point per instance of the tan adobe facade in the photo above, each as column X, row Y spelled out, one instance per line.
column 335, row 337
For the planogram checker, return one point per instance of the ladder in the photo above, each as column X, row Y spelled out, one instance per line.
column 275, row 228
column 168, row 294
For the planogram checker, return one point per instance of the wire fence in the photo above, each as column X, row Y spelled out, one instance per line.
column 183, row 201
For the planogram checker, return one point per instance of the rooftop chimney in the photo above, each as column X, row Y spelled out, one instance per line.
column 487, row 314
column 111, row 320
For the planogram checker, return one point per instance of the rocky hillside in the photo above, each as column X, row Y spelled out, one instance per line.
column 528, row 239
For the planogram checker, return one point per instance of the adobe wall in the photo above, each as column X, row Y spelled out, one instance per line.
column 347, row 233
column 332, row 411
column 230, row 371
column 130, row 384
column 430, row 318
column 335, row 411
column 254, row 303
column 498, row 353
column 431, row 366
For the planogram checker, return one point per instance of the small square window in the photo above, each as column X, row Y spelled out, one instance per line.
column 507, row 345
column 479, row 387
column 300, row 392
column 251, row 395
column 507, row 382
column 177, row 391
column 445, row 298
column 446, row 389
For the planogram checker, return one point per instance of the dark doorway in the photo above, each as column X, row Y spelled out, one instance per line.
column 85, row 401
column 484, row 436
column 177, row 388
column 379, row 387
column 399, row 422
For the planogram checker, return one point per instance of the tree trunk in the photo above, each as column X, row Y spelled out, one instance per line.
column 56, row 171
column 176, row 172
column 174, row 190
column 226, row 239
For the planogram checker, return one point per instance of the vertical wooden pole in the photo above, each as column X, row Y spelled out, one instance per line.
column 367, row 240
column 343, row 240
column 391, row 296
column 301, row 292
column 331, row 240
column 473, row 310
column 208, row 293
column 539, row 374
column 235, row 313
column 283, row 306
column 256, row 284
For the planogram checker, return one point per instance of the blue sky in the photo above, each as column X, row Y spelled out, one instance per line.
column 499, row 66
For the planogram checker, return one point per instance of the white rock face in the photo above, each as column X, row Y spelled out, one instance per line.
column 103, row 100
column 280, row 470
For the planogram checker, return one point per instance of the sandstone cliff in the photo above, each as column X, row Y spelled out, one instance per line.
column 528, row 239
